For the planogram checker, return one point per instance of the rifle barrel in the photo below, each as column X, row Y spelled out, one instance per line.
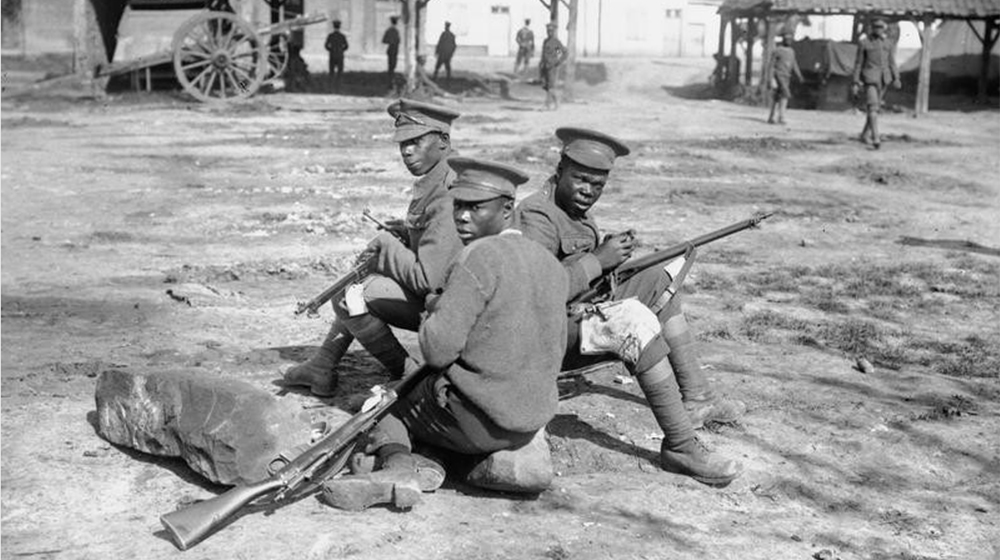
column 635, row 265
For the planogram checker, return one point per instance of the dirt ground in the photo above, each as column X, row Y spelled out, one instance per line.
column 245, row 210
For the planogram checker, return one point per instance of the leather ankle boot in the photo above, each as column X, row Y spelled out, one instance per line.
column 377, row 337
column 397, row 483
column 690, row 458
column 318, row 373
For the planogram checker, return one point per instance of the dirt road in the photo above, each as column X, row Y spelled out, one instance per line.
column 244, row 210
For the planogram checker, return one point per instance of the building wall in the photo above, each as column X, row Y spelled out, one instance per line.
column 46, row 27
column 604, row 27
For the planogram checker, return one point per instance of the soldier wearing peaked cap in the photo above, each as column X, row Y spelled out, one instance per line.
column 404, row 273
column 647, row 328
column 874, row 70
column 553, row 55
column 497, row 334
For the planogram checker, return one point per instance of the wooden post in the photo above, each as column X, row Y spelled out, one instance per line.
column 571, row 50
column 989, row 38
column 720, row 56
column 751, row 36
column 732, row 72
column 856, row 27
column 924, row 76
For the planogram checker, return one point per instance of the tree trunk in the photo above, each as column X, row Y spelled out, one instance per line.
column 88, row 47
column 409, row 44
column 765, row 58
column 924, row 76
column 571, row 50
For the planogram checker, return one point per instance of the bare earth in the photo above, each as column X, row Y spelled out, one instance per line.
column 244, row 210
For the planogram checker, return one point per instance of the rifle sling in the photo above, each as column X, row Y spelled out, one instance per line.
column 675, row 283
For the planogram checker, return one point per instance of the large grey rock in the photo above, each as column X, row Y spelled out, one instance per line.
column 226, row 430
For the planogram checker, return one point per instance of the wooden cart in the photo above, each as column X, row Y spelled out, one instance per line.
column 219, row 55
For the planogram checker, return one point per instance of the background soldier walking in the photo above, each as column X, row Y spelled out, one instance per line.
column 445, row 50
column 391, row 40
column 553, row 55
column 783, row 67
column 874, row 69
column 336, row 45
column 525, row 47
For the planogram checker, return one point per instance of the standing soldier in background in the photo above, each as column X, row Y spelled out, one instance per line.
column 553, row 55
column 404, row 272
column 336, row 45
column 445, row 50
column 643, row 324
column 783, row 66
column 525, row 46
column 874, row 69
column 391, row 39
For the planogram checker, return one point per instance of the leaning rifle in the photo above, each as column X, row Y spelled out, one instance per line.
column 361, row 269
column 304, row 474
column 607, row 283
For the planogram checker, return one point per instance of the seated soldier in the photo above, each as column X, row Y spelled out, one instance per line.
column 496, row 333
column 405, row 273
column 643, row 325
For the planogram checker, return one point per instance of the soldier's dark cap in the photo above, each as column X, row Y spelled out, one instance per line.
column 879, row 23
column 416, row 118
column 591, row 148
column 551, row 25
column 483, row 180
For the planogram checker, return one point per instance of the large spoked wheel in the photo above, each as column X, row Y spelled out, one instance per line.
column 277, row 57
column 218, row 56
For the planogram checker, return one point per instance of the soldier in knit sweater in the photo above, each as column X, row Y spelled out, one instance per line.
column 497, row 335
column 405, row 273
column 643, row 325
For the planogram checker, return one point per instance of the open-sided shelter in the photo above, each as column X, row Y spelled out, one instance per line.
column 736, row 13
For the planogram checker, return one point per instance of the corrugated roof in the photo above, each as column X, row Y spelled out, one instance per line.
column 939, row 8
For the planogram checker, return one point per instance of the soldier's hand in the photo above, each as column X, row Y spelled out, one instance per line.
column 897, row 84
column 615, row 250
column 855, row 89
column 398, row 228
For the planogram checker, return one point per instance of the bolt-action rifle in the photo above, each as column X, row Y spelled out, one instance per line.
column 301, row 476
column 606, row 284
column 361, row 269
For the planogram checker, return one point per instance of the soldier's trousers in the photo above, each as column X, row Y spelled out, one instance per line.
column 648, row 287
column 437, row 413
column 392, row 303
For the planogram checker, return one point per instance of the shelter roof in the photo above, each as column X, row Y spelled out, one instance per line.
column 960, row 9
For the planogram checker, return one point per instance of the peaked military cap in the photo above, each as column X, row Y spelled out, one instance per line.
column 483, row 180
column 879, row 22
column 416, row 118
column 591, row 148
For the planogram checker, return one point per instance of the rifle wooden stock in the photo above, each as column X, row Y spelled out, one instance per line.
column 354, row 275
column 632, row 267
column 189, row 525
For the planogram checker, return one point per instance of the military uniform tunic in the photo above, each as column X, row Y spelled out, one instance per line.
column 418, row 268
column 572, row 241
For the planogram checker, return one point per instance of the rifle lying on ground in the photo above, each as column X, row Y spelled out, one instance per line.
column 303, row 475
column 361, row 269
column 607, row 283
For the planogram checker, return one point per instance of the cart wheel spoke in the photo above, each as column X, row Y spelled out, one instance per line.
column 217, row 55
